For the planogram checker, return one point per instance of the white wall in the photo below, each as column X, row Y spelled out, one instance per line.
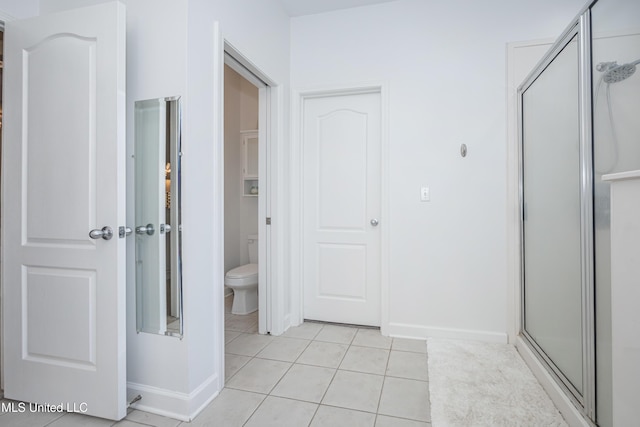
column 18, row 9
column 444, row 66
column 170, row 51
column 260, row 31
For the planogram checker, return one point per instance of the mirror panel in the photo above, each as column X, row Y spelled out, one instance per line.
column 158, row 216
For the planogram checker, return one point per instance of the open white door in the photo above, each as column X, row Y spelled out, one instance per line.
column 64, row 176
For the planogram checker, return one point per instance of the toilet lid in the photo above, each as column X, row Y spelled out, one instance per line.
column 243, row 271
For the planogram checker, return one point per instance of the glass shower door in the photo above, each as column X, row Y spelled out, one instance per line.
column 552, row 210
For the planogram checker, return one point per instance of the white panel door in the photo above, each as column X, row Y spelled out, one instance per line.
column 64, row 175
column 341, row 220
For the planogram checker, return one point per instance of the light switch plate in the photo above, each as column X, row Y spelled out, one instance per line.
column 425, row 195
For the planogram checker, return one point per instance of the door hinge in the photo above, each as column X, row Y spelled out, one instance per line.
column 268, row 220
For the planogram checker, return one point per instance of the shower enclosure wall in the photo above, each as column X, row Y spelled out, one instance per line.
column 579, row 114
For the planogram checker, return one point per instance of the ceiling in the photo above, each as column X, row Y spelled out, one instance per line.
column 310, row 7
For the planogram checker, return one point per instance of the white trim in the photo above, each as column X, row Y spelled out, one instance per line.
column 271, row 288
column 571, row 414
column 296, row 179
column 236, row 66
column 243, row 61
column 295, row 215
column 217, row 161
column 385, row 212
column 172, row 404
column 277, row 310
column 5, row 17
column 405, row 330
column 264, row 232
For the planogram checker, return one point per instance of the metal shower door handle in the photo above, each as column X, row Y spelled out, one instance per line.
column 106, row 233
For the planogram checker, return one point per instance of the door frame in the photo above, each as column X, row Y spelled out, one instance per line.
column 4, row 18
column 297, row 196
column 567, row 404
column 237, row 62
column 271, row 315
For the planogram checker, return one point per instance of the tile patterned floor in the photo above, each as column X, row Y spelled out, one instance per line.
column 314, row 375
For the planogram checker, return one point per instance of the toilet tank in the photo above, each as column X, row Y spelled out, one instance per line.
column 252, row 241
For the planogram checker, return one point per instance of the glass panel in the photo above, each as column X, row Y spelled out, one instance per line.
column 552, row 207
column 150, row 211
column 157, row 216
column 616, row 102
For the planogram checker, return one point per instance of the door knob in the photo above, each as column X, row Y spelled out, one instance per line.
column 145, row 229
column 374, row 222
column 106, row 233
column 124, row 231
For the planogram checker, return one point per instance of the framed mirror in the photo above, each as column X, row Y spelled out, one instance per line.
column 158, row 229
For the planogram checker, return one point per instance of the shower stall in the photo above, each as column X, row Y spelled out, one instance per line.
column 579, row 119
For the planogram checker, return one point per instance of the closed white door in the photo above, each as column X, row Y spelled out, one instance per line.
column 64, row 177
column 341, row 199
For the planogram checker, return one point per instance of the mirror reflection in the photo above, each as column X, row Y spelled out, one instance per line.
column 158, row 227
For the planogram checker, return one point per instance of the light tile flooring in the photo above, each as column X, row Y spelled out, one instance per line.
column 314, row 375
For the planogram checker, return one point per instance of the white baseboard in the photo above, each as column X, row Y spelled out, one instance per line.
column 403, row 330
column 571, row 415
column 172, row 404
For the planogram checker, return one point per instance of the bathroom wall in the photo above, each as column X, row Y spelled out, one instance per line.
column 240, row 212
column 19, row 9
column 260, row 30
column 232, row 180
column 616, row 37
column 444, row 66
column 170, row 51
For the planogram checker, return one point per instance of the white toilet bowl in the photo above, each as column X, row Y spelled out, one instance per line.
column 243, row 281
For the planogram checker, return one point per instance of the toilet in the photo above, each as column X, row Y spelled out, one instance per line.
column 244, row 281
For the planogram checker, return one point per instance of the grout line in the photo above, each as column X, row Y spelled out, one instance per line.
column 336, row 369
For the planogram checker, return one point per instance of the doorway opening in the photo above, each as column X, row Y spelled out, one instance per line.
column 247, row 241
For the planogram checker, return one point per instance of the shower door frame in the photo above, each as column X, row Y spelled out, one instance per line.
column 580, row 28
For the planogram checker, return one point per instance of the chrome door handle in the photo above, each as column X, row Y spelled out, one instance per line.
column 106, row 233
column 374, row 222
column 124, row 232
column 145, row 229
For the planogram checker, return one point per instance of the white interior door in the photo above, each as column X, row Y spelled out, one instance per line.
column 64, row 176
column 341, row 196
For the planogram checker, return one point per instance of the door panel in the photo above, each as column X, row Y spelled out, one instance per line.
column 49, row 171
column 63, row 166
column 552, row 215
column 51, row 291
column 341, row 196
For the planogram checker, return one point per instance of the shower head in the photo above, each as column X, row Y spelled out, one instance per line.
column 619, row 73
column 614, row 73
